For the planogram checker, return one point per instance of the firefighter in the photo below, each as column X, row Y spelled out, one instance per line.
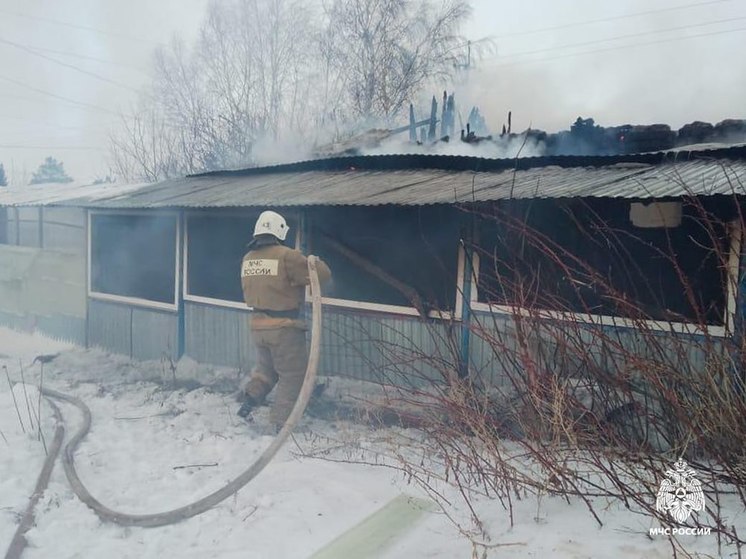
column 274, row 278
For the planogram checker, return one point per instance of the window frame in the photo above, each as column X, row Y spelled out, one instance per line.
column 225, row 303
column 381, row 308
column 327, row 301
column 731, row 294
column 124, row 299
column 402, row 310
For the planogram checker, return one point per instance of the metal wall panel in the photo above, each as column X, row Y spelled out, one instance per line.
column 154, row 334
column 138, row 332
column 74, row 217
column 492, row 350
column 573, row 348
column 11, row 226
column 44, row 290
column 385, row 348
column 246, row 351
column 16, row 265
column 365, row 346
column 64, row 229
column 110, row 326
column 418, row 352
column 348, row 345
column 4, row 225
column 29, row 227
column 361, row 346
column 13, row 320
column 217, row 335
column 62, row 327
column 28, row 232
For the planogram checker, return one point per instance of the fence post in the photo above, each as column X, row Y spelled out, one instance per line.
column 466, row 290
column 739, row 320
column 181, row 225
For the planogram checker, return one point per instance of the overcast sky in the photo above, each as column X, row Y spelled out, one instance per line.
column 670, row 61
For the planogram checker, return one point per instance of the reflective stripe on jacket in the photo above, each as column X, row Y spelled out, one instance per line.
column 274, row 277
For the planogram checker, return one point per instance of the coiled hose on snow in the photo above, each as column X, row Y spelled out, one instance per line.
column 197, row 507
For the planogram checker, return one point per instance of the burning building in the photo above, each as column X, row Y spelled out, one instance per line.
column 434, row 257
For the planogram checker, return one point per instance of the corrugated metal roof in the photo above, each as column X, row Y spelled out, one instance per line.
column 416, row 180
column 63, row 194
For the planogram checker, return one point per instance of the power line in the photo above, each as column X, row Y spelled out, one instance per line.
column 40, row 124
column 628, row 36
column 87, row 106
column 81, row 27
column 621, row 47
column 55, row 148
column 47, row 102
column 582, row 23
column 612, row 18
column 66, row 65
column 37, row 100
column 89, row 58
column 18, row 97
column 50, row 125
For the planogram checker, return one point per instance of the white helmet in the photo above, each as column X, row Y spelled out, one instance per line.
column 271, row 223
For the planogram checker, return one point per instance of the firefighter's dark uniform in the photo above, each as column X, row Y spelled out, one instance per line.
column 274, row 278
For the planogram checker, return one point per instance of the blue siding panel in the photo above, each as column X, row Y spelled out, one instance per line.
column 138, row 332
column 154, row 334
column 217, row 335
column 61, row 327
column 348, row 345
column 110, row 326
column 385, row 348
column 14, row 321
column 57, row 326
column 496, row 354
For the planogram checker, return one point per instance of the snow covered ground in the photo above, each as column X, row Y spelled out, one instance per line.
column 156, row 445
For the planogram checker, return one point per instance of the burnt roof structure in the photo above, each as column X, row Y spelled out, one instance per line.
column 417, row 180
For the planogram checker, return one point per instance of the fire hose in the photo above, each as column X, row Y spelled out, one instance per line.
column 193, row 509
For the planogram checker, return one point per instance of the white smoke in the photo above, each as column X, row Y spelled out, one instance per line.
column 272, row 151
column 507, row 147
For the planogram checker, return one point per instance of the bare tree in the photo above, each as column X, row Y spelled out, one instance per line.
column 278, row 69
column 209, row 104
column 142, row 149
column 384, row 51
